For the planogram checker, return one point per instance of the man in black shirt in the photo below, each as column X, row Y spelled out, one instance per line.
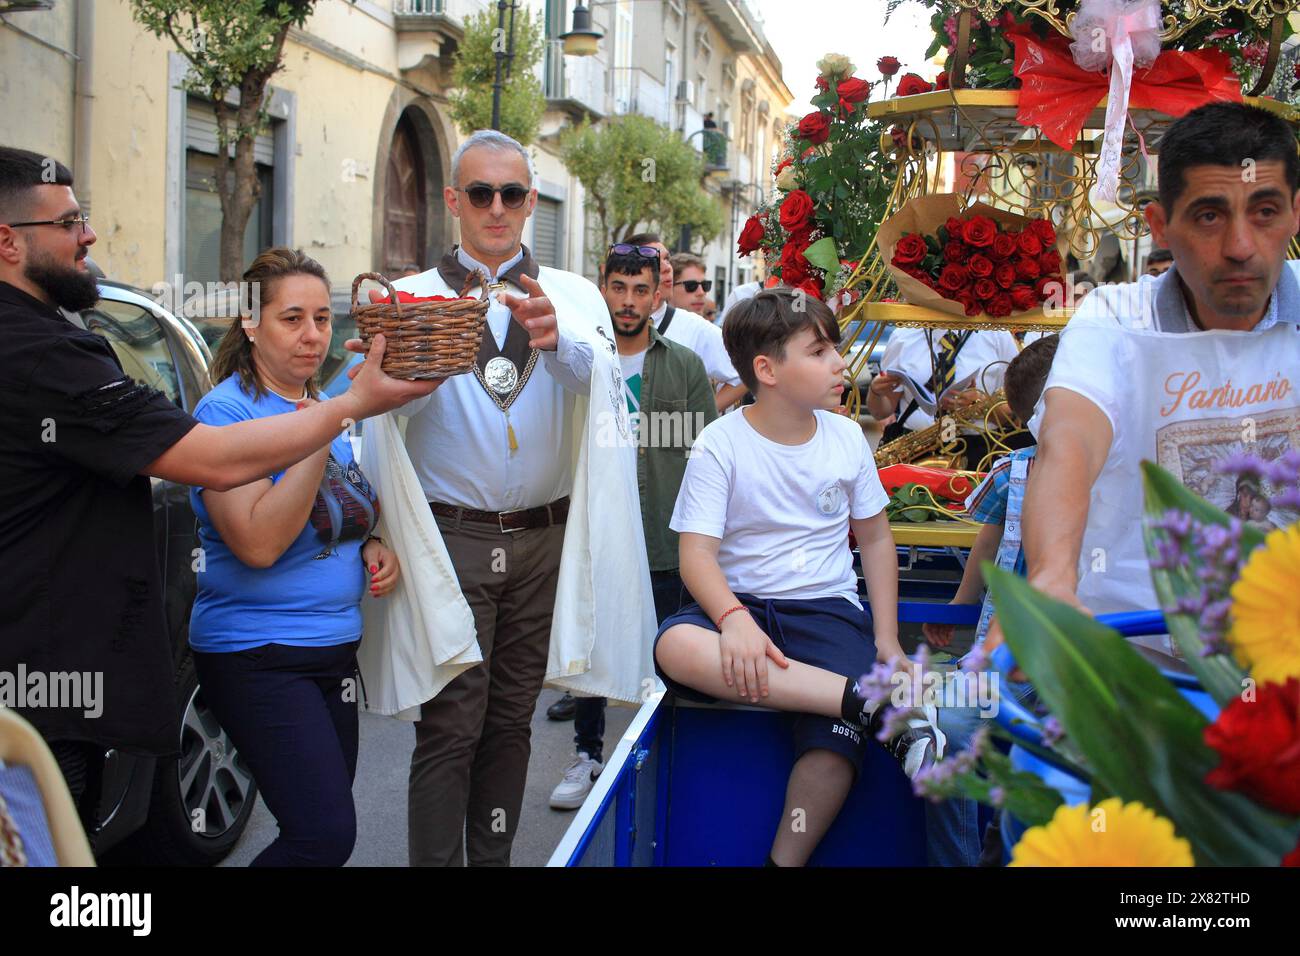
column 78, row 440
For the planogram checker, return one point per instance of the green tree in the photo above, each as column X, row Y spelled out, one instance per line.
column 474, row 72
column 233, row 46
column 638, row 174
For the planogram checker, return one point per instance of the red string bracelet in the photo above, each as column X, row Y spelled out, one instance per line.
column 733, row 610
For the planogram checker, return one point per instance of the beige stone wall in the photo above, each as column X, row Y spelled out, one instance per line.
column 128, row 157
column 349, row 91
column 344, row 77
column 36, row 82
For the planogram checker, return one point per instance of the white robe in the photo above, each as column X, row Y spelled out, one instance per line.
column 418, row 639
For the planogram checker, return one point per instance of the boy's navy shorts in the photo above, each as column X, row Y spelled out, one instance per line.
column 831, row 633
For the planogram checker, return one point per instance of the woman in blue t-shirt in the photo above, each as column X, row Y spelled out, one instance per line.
column 277, row 620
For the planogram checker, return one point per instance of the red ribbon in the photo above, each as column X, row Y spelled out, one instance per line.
column 407, row 297
column 1056, row 94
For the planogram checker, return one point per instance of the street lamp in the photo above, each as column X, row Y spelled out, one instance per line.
column 505, row 58
column 582, row 40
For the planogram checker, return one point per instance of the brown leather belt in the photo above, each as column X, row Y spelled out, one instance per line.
column 543, row 516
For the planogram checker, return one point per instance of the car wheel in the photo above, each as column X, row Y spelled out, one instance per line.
column 202, row 799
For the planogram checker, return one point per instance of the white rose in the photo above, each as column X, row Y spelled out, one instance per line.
column 836, row 64
column 787, row 180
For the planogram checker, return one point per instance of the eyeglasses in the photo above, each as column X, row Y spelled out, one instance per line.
column 627, row 249
column 480, row 197
column 690, row 285
column 82, row 223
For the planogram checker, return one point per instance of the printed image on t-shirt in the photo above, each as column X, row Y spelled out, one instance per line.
column 830, row 499
column 346, row 507
column 1190, row 450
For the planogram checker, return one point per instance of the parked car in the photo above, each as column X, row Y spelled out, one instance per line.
column 190, row 809
column 855, row 348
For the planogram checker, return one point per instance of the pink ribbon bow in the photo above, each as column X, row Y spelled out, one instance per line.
column 1115, row 34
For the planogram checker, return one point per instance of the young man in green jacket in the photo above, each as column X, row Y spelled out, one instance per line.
column 670, row 402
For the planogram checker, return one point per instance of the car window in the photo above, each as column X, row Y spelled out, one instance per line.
column 138, row 340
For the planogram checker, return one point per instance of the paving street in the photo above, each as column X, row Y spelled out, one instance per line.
column 380, row 791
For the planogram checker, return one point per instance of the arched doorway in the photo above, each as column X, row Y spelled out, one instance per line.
column 405, row 202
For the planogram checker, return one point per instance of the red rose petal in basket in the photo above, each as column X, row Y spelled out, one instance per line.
column 407, row 297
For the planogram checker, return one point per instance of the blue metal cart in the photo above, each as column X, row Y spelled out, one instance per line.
column 704, row 785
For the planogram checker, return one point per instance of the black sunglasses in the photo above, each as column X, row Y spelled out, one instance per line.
column 480, row 197
column 690, row 285
column 627, row 249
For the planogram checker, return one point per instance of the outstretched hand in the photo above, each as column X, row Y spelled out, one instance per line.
column 377, row 391
column 535, row 313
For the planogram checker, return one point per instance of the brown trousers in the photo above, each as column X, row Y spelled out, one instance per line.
column 473, row 740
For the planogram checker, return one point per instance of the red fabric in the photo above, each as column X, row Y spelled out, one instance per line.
column 407, row 297
column 942, row 482
column 1056, row 95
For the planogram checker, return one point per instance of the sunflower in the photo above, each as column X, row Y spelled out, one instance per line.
column 1113, row 833
column 1265, row 633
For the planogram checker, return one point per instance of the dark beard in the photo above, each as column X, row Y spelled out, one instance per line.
column 630, row 333
column 68, row 288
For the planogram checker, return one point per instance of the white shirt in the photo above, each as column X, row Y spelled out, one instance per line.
column 1183, row 399
column 458, row 439
column 633, row 368
column 703, row 338
column 781, row 511
column 738, row 294
column 984, row 353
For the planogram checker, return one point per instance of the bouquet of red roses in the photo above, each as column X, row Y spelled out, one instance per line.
column 977, row 261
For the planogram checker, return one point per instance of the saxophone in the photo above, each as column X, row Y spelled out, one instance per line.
column 926, row 446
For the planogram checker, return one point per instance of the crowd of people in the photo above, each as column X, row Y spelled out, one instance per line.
column 729, row 541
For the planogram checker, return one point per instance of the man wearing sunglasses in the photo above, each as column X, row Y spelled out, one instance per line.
column 79, row 440
column 694, row 331
column 690, row 288
column 494, row 452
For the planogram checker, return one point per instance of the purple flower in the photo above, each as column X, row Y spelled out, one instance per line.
column 893, row 723
column 1052, row 731
column 1210, row 555
column 979, row 743
column 977, row 659
column 996, row 796
column 1177, row 523
column 1285, row 468
column 1287, row 498
column 1243, row 465
column 876, row 687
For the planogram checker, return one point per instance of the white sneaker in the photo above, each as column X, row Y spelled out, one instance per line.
column 918, row 746
column 579, row 777
column 921, row 744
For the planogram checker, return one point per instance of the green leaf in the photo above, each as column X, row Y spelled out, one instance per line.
column 823, row 254
column 996, row 75
column 934, row 47
column 1219, row 674
column 1141, row 738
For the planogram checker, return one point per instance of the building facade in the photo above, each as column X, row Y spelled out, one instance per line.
column 675, row 61
column 360, row 141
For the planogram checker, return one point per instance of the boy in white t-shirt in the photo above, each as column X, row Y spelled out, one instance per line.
column 763, row 517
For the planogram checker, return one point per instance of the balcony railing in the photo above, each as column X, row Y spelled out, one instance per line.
column 455, row 9
column 636, row 91
column 577, row 79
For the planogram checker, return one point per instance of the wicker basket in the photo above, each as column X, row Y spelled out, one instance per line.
column 424, row 340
